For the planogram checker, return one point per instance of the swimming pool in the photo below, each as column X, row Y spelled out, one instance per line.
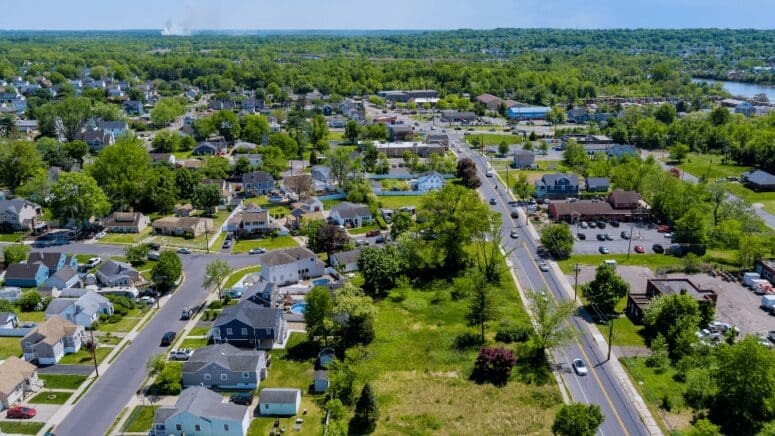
column 298, row 308
column 321, row 282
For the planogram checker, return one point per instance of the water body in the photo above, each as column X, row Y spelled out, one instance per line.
column 742, row 89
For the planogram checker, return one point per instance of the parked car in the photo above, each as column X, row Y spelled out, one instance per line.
column 625, row 234
column 186, row 313
column 147, row 300
column 361, row 242
column 21, row 412
column 581, row 236
column 615, row 224
column 379, row 240
column 101, row 235
column 664, row 229
column 771, row 335
column 639, row 249
column 226, row 243
column 168, row 338
column 601, row 236
column 232, row 293
column 601, row 224
column 242, row 398
column 603, row 249
column 153, row 255
column 184, row 250
column 154, row 246
column 372, row 233
column 258, row 250
column 658, row 248
column 543, row 267
column 580, row 367
column 181, row 354
column 592, row 225
column 609, row 237
column 94, row 261
column 514, row 234
column 669, row 235
column 583, row 225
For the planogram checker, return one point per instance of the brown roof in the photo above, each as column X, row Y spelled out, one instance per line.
column 14, row 371
column 54, row 329
column 583, row 208
column 487, row 98
column 123, row 219
column 622, row 196
column 298, row 183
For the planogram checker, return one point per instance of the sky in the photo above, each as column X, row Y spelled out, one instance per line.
column 180, row 16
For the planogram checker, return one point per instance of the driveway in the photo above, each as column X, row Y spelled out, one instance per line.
column 67, row 369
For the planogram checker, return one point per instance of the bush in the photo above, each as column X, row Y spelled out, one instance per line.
column 381, row 223
column 112, row 319
column 217, row 304
column 168, row 381
column 493, row 365
column 467, row 340
column 517, row 333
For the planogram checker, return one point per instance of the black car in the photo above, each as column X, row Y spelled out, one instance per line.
column 601, row 236
column 242, row 398
column 581, row 236
column 601, row 224
column 154, row 246
column 514, row 213
column 658, row 248
column 492, row 201
column 168, row 338
column 615, row 224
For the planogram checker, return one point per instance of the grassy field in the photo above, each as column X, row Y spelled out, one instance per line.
column 493, row 138
column 397, row 201
column 126, row 238
column 655, row 387
column 62, row 381
column 235, row 277
column 766, row 199
column 14, row 427
column 275, row 243
column 140, row 420
column 710, row 166
column 84, row 357
column 652, row 261
column 10, row 347
column 58, row 397
column 11, row 237
column 532, row 175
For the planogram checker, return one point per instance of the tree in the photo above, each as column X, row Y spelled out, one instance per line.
column 319, row 134
column 756, row 248
column 556, row 115
column 207, row 197
column 352, row 130
column 165, row 142
column 354, row 314
column 19, row 162
column 242, row 166
column 401, row 223
column 254, row 128
column 15, row 253
column 216, row 167
column 286, row 143
column 703, row 427
column 380, row 267
column 318, row 312
column 273, row 161
column 341, row 165
column 522, row 187
column 493, row 365
column 558, row 239
column 156, row 363
column 215, row 275
column 36, row 189
column 76, row 150
column 466, row 172
column 166, row 110
column 186, row 181
column 30, row 301
column 665, row 113
column 76, row 197
column 691, row 228
column 376, row 132
column 227, row 124
column 503, row 148
column 364, row 421
column 167, row 271
column 659, row 359
column 481, row 307
column 160, row 191
column 120, row 170
column 606, row 290
column 488, row 242
column 578, row 419
column 719, row 116
column 675, row 317
column 551, row 323
column 575, row 155
column 137, row 254
column 68, row 113
column 327, row 238
column 745, row 378
column 678, row 152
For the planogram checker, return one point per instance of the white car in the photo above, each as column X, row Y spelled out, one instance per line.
column 184, row 250
column 181, row 354
column 101, row 235
column 94, row 261
column 147, row 300
column 153, row 255
column 669, row 235
column 514, row 234
column 543, row 267
column 580, row 367
column 258, row 250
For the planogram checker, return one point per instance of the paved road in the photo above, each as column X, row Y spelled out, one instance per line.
column 599, row 387
column 96, row 411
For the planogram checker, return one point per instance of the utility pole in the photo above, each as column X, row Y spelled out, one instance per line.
column 610, row 336
column 207, row 239
column 576, row 285
column 94, row 353
column 629, row 241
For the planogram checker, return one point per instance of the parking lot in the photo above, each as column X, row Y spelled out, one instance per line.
column 641, row 235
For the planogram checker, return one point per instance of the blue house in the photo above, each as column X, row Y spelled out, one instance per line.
column 528, row 112
column 250, row 325
column 26, row 275
column 279, row 402
column 557, row 186
column 53, row 261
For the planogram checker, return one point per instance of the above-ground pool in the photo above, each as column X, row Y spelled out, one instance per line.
column 298, row 308
column 321, row 282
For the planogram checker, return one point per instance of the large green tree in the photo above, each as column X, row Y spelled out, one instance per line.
column 578, row 419
column 364, row 421
column 558, row 239
column 227, row 124
column 380, row 267
column 691, row 228
column 216, row 273
column 15, row 253
column 606, row 290
column 675, row 317
column 318, row 313
column 254, row 127
column 551, row 323
column 120, row 170
column 19, row 162
column 76, row 197
column 167, row 270
column 481, row 307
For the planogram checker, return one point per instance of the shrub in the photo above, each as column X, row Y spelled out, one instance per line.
column 516, row 333
column 217, row 304
column 168, row 381
column 381, row 223
column 467, row 340
column 493, row 365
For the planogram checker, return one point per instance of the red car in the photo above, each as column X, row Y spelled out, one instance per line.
column 639, row 249
column 372, row 233
column 664, row 229
column 20, row 412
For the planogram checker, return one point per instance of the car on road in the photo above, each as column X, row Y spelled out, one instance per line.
column 379, row 239
column 184, row 250
column 639, row 249
column 609, row 237
column 21, row 412
column 94, row 261
column 168, row 338
column 181, row 354
column 514, row 234
column 603, row 249
column 493, row 202
column 488, row 173
column 242, row 398
column 514, row 213
column 580, row 367
column 625, row 234
column 543, row 267
column 601, row 236
column 581, row 236
column 658, row 248
column 258, row 250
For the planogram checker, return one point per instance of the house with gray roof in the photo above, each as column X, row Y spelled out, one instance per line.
column 113, row 273
column 351, row 214
column 63, row 279
column 759, row 180
column 83, row 311
column 262, row 293
column 53, row 261
column 523, row 159
column 20, row 214
column 279, row 402
column 226, row 367
column 257, row 183
column 248, row 325
column 200, row 411
column 26, row 275
column 557, row 186
column 288, row 266
column 346, row 261
column 597, row 184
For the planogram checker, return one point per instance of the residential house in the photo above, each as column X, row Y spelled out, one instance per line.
column 759, row 180
column 597, row 184
column 353, row 109
column 27, row 127
column 251, row 221
column 298, row 185
column 251, row 326
column 163, row 157
column 350, row 215
column 115, row 128
column 126, row 222
column 26, row 275
column 20, row 214
column 113, row 273
column 200, row 411
column 429, row 181
column 8, row 320
column 489, row 101
column 523, row 159
column 226, row 367
column 241, row 147
column 320, row 383
column 66, row 277
column 208, row 148
column 346, row 261
column 637, row 302
column 321, row 176
column 337, row 123
column 262, row 293
column 557, row 185
column 134, row 107
column 400, row 132
column 528, row 112
column 51, row 340
column 309, row 209
column 183, row 210
column 621, row 199
column 17, row 379
column 53, row 261
column 96, row 139
column 183, row 226
column 257, row 183
column 279, row 402
column 290, row 265
column 453, row 116
column 83, row 311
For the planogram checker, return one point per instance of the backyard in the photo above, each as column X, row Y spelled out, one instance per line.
column 274, row 243
column 10, row 347
column 395, row 202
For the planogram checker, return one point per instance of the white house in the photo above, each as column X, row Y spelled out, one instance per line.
column 17, row 378
column 430, row 181
column 351, row 215
column 346, row 261
column 200, row 411
column 19, row 213
column 288, row 266
column 279, row 402
column 83, row 311
column 64, row 278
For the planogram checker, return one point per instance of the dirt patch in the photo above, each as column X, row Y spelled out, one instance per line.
column 448, row 374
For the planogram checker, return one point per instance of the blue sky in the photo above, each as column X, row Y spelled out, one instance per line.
column 392, row 14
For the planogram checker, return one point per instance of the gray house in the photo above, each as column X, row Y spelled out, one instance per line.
column 350, row 214
column 200, row 411
column 225, row 366
column 524, row 159
column 113, row 273
column 257, row 183
column 597, row 184
column 557, row 186
column 346, row 261
column 250, row 326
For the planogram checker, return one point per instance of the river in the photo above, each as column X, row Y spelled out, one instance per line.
column 742, row 89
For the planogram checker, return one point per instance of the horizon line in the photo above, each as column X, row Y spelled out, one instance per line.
column 322, row 29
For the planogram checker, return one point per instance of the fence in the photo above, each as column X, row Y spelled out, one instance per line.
column 18, row 332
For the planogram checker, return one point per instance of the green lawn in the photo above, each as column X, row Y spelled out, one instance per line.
column 84, row 357
column 395, row 202
column 493, row 138
column 182, row 155
column 276, row 210
column 235, row 277
column 766, row 199
column 14, row 427
column 140, row 420
column 32, row 316
column 336, row 136
column 328, row 204
column 363, row 229
column 57, row 397
column 193, row 343
column 275, row 243
column 10, row 347
column 11, row 237
column 126, row 323
column 655, row 386
column 62, row 381
column 199, row 331
column 709, row 166
column 126, row 238
column 652, row 261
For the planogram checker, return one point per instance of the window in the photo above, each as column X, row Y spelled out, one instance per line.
column 245, row 375
column 225, row 427
column 244, row 331
column 208, row 377
column 160, row 427
column 224, row 377
column 178, row 427
column 229, row 331
column 197, row 427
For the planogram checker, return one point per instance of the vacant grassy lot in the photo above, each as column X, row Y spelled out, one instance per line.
column 656, row 387
column 709, row 166
column 10, row 347
column 13, row 427
column 56, row 397
column 493, row 138
column 235, row 277
column 126, row 238
column 544, row 167
column 62, row 381
column 652, row 261
column 84, row 357
column 396, row 202
column 140, row 420
column 275, row 243
column 766, row 199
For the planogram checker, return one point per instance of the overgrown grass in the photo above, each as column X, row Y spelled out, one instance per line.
column 656, row 387
column 10, row 347
column 275, row 243
column 140, row 420
column 766, row 199
column 14, row 427
column 652, row 261
column 235, row 277
column 57, row 397
column 709, row 166
column 84, row 357
column 62, row 381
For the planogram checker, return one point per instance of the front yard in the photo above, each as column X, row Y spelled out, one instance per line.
column 125, row 325
column 140, row 420
column 62, row 381
column 276, row 243
column 84, row 357
column 16, row 427
column 53, row 397
column 236, row 276
column 765, row 199
column 126, row 238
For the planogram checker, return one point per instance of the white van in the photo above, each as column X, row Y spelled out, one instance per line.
column 610, row 262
